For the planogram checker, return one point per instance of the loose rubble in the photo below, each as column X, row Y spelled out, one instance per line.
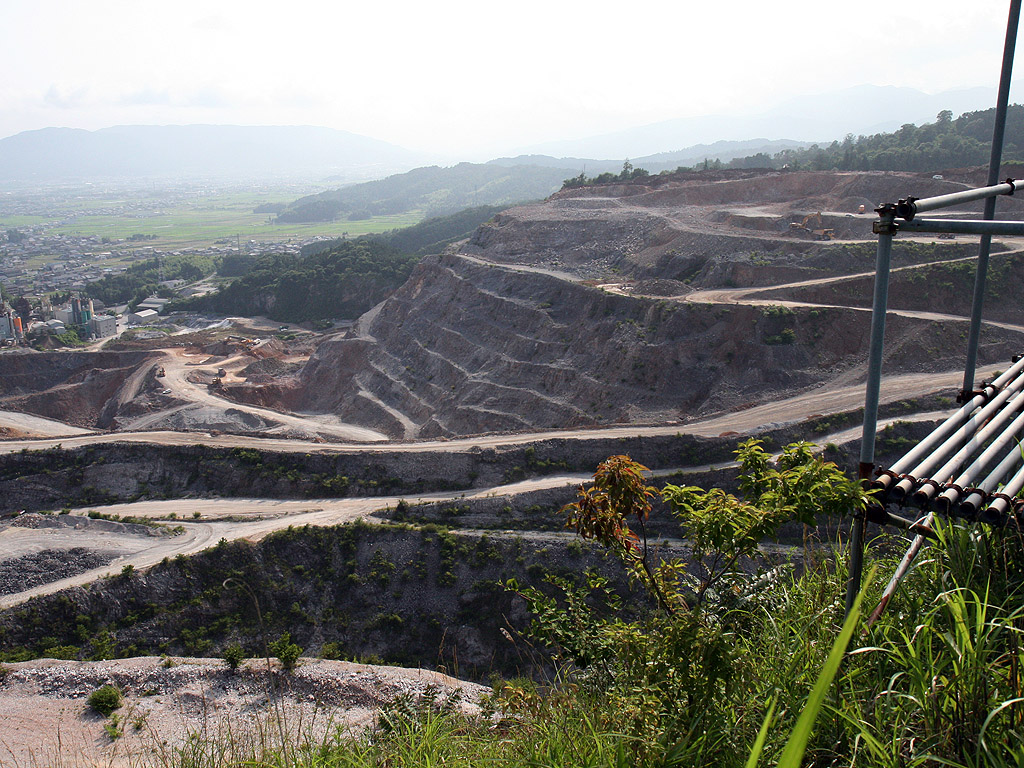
column 29, row 571
column 44, row 714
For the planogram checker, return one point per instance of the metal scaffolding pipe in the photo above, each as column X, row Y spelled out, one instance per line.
column 884, row 482
column 967, row 478
column 1015, row 484
column 901, row 570
column 995, row 157
column 942, row 431
column 963, row 226
column 1004, row 500
column 913, row 207
column 909, row 207
column 925, row 493
column 883, row 258
column 924, row 469
column 970, row 506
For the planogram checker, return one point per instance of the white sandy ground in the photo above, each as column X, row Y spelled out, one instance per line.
column 45, row 720
column 37, row 425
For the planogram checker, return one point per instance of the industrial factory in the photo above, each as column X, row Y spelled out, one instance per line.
column 78, row 314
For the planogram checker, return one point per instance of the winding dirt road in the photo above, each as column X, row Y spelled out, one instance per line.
column 232, row 519
column 177, row 366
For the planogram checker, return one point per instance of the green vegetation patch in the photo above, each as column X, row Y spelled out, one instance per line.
column 344, row 281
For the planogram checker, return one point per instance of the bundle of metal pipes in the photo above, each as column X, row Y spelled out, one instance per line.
column 972, row 465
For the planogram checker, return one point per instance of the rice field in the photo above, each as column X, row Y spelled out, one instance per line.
column 197, row 225
column 179, row 219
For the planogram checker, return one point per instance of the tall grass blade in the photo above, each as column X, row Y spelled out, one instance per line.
column 762, row 736
column 793, row 754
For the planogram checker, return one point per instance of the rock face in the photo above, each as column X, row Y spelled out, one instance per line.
column 671, row 227
column 82, row 388
column 464, row 348
column 420, row 598
column 513, row 331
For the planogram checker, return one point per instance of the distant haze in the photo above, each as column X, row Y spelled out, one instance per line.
column 465, row 80
column 198, row 151
column 820, row 118
column 325, row 154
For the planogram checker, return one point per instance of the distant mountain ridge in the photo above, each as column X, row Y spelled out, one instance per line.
column 210, row 151
column 436, row 191
column 197, row 151
column 662, row 161
column 822, row 118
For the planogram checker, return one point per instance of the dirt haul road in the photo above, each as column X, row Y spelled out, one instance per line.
column 255, row 518
column 177, row 366
column 823, row 401
column 220, row 519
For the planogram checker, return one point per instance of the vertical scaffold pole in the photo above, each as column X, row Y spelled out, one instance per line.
column 990, row 203
column 885, row 229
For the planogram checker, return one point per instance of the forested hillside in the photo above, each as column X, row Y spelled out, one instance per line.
column 141, row 280
column 337, row 278
column 429, row 236
column 436, row 191
column 344, row 281
column 946, row 143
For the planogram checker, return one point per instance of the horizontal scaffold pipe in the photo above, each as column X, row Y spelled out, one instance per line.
column 970, row 506
column 1007, row 439
column 909, row 207
column 926, row 446
column 926, row 492
column 1004, row 500
column 956, row 439
column 962, row 226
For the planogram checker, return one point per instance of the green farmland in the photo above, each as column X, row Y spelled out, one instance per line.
column 179, row 219
column 200, row 224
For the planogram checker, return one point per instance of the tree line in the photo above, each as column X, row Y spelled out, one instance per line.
column 946, row 143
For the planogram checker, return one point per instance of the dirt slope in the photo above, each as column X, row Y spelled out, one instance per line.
column 45, row 718
column 511, row 333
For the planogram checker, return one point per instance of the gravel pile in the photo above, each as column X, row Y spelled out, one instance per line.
column 178, row 704
column 333, row 683
column 29, row 571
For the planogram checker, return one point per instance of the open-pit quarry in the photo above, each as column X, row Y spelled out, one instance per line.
column 668, row 318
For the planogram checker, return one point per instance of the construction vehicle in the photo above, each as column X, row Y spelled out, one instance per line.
column 160, row 372
column 221, row 373
column 821, row 233
column 215, row 384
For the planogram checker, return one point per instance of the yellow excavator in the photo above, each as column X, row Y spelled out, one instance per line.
column 820, row 233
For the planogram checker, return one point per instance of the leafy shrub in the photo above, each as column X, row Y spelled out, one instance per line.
column 673, row 675
column 234, row 655
column 106, row 699
column 331, row 650
column 286, row 651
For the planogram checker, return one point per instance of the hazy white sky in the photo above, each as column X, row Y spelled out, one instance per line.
column 463, row 77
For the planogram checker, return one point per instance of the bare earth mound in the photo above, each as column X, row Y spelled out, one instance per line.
column 45, row 718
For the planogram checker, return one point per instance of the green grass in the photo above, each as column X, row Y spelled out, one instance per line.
column 13, row 222
column 180, row 220
column 197, row 226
